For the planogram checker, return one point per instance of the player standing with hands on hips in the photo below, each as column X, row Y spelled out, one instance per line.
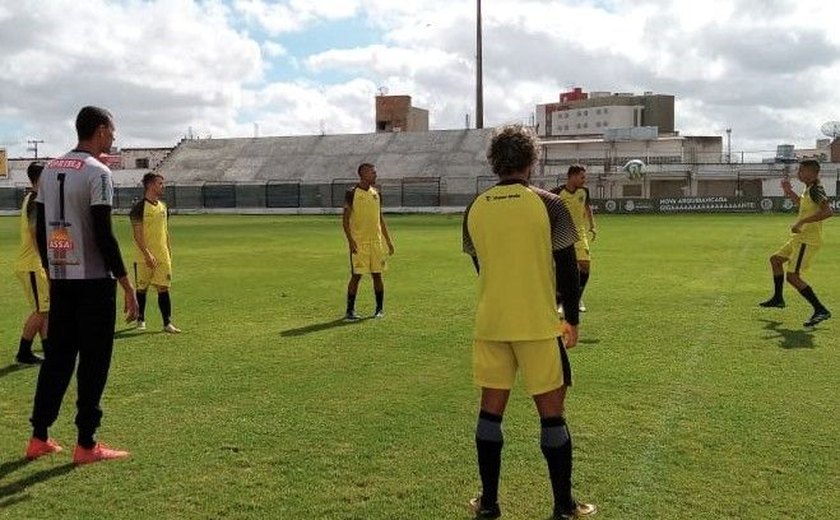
column 83, row 260
column 805, row 241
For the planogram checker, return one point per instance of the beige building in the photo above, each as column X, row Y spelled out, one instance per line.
column 579, row 113
column 395, row 114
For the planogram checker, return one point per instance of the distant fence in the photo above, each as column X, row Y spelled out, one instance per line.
column 407, row 193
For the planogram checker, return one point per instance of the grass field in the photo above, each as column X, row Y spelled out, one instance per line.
column 689, row 401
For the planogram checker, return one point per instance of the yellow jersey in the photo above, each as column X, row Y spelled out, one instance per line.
column 365, row 212
column 513, row 230
column 154, row 217
column 809, row 204
column 28, row 258
column 577, row 201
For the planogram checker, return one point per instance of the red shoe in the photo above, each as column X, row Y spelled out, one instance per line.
column 98, row 452
column 38, row 448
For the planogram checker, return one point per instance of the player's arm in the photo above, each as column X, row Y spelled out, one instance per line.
column 345, row 220
column 140, row 240
column 823, row 213
column 788, row 191
column 385, row 234
column 110, row 250
column 466, row 240
column 41, row 235
column 590, row 216
column 136, row 218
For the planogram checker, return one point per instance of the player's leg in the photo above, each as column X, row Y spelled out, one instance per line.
column 57, row 369
column 583, row 269
column 35, row 321
column 142, row 279
column 98, row 311
column 359, row 265
column 777, row 263
column 379, row 293
column 31, row 327
column 494, row 370
column 161, row 280
column 352, row 290
column 547, row 373
column 803, row 258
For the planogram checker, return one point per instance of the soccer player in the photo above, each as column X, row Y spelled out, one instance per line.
column 805, row 241
column 31, row 274
column 82, row 257
column 365, row 230
column 153, row 252
column 576, row 196
column 517, row 235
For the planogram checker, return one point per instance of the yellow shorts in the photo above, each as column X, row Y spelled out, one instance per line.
column 37, row 289
column 160, row 276
column 543, row 363
column 582, row 250
column 368, row 258
column 799, row 256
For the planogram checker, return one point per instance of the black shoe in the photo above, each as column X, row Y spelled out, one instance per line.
column 581, row 510
column 484, row 512
column 817, row 317
column 29, row 358
column 773, row 302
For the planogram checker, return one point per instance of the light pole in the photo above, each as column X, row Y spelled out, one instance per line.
column 34, row 147
column 479, row 88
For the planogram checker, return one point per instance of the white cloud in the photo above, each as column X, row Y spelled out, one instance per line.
column 766, row 68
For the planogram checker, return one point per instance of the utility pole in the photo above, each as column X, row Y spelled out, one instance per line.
column 479, row 87
column 34, row 147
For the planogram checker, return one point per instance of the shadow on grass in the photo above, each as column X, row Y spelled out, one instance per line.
column 131, row 331
column 14, row 367
column 10, row 467
column 593, row 341
column 318, row 327
column 13, row 488
column 13, row 500
column 790, row 338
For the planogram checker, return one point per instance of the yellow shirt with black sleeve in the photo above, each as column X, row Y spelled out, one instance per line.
column 28, row 258
column 809, row 204
column 513, row 229
column 365, row 210
column 577, row 202
column 154, row 217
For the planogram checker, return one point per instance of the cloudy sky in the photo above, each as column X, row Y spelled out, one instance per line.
column 769, row 69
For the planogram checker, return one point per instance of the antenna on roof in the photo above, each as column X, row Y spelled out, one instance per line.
column 831, row 129
column 383, row 90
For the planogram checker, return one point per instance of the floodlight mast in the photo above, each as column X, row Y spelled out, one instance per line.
column 479, row 87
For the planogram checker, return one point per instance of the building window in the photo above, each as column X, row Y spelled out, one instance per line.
column 578, row 113
column 604, row 123
column 598, row 112
column 578, row 125
column 598, row 124
column 605, row 110
column 141, row 163
column 586, row 125
column 586, row 112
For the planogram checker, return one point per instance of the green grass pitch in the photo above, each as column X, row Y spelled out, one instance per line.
column 689, row 401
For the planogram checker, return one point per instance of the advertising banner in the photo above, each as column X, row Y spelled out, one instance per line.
column 712, row 204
